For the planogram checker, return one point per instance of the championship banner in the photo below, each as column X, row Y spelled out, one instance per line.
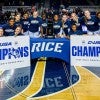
column 57, row 48
column 14, row 52
column 49, row 74
column 85, row 50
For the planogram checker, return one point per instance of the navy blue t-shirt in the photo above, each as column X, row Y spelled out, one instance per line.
column 77, row 32
column 44, row 25
column 20, row 34
column 92, row 24
column 66, row 27
column 9, row 30
column 35, row 23
column 56, row 27
column 25, row 24
column 18, row 23
column 78, row 24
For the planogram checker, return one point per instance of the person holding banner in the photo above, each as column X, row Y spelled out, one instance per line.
column 9, row 27
column 74, row 31
column 18, row 31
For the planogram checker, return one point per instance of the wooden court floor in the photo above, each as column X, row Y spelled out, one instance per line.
column 87, row 88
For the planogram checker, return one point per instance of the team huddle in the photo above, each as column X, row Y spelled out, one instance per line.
column 51, row 23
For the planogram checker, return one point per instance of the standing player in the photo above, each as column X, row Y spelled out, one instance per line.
column 25, row 22
column 90, row 22
column 9, row 27
column 65, row 25
column 76, row 20
column 44, row 24
column 35, row 25
column 18, row 19
column 57, row 26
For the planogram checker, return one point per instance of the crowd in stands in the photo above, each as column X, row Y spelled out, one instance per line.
column 50, row 22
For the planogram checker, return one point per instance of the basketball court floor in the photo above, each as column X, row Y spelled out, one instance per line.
column 50, row 79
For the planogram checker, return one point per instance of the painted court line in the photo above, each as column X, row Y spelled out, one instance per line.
column 35, row 83
column 88, row 88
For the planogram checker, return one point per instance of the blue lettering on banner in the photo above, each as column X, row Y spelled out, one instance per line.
column 9, row 53
column 57, row 48
column 6, row 44
column 88, row 51
column 93, row 42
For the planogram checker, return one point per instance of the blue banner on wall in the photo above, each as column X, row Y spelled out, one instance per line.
column 57, row 48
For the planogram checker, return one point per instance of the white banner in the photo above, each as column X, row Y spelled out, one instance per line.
column 85, row 51
column 14, row 52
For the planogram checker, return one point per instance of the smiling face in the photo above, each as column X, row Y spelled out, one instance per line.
column 74, row 16
column 87, row 14
column 11, row 22
column 17, row 17
column 56, row 17
column 25, row 16
column 64, row 18
column 35, row 14
column 74, row 28
column 18, row 30
column 98, row 15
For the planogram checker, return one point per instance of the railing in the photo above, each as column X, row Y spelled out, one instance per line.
column 91, row 8
column 14, row 8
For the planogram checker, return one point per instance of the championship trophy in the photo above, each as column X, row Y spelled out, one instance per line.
column 50, row 33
